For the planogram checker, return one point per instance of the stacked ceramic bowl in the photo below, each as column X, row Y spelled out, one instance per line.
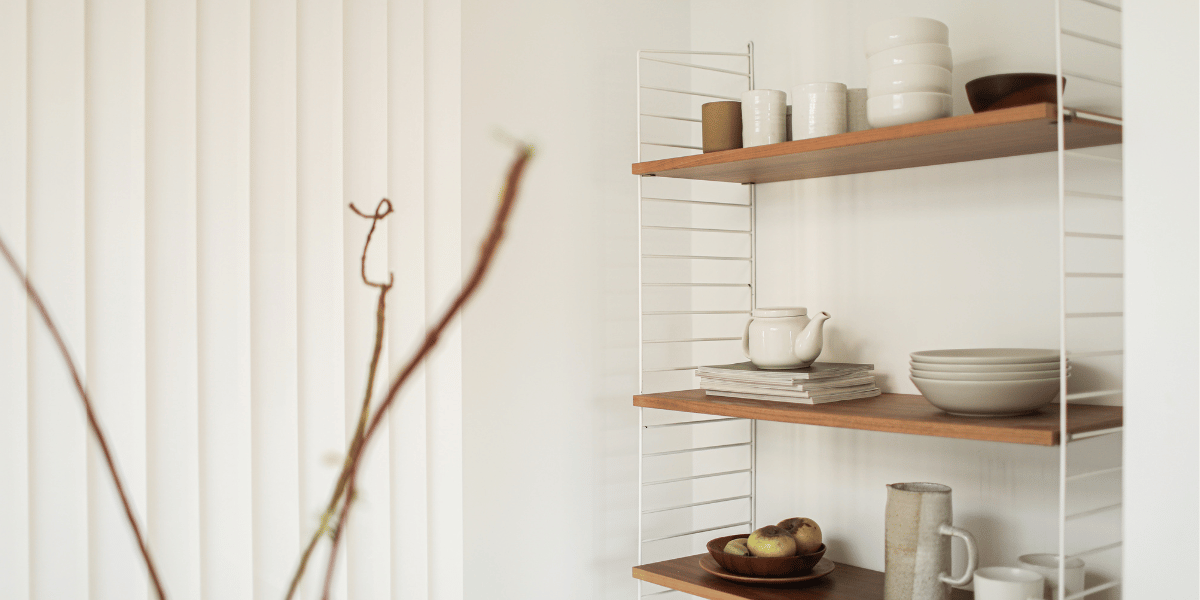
column 910, row 68
column 987, row 382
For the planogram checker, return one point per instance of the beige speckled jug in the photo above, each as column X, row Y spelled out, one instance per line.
column 917, row 559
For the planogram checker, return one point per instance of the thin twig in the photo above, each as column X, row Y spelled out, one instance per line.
column 487, row 252
column 381, row 211
column 93, row 422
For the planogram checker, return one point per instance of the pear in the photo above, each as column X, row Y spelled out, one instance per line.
column 737, row 547
column 806, row 533
column 771, row 541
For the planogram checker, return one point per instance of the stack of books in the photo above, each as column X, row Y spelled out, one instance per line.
column 815, row 384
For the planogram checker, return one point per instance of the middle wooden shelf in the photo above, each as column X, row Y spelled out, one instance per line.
column 897, row 413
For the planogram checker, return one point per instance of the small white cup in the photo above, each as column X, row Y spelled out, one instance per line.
column 819, row 109
column 1047, row 566
column 1008, row 583
column 764, row 117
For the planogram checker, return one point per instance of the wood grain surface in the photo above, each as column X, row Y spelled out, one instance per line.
column 896, row 413
column 994, row 134
column 845, row 583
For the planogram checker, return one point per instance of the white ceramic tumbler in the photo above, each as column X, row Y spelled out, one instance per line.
column 856, row 109
column 818, row 109
column 764, row 117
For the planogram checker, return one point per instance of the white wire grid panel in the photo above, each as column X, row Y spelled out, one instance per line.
column 1088, row 55
column 696, row 276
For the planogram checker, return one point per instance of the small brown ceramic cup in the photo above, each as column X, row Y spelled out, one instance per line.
column 722, row 125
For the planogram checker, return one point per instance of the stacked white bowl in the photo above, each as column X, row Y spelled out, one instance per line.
column 910, row 69
column 987, row 382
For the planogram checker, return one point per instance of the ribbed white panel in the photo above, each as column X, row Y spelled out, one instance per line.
column 320, row 302
column 223, row 283
column 365, row 160
column 406, row 314
column 55, row 249
column 14, row 427
column 116, row 286
column 444, row 268
column 273, row 175
column 172, row 444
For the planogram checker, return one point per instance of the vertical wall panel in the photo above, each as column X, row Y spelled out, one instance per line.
column 365, row 164
column 406, row 314
column 320, row 303
column 14, row 428
column 116, row 288
column 171, row 301
column 273, row 293
column 223, row 305
column 55, row 248
column 443, row 264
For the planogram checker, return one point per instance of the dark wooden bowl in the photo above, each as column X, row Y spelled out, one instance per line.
column 1011, row 89
column 762, row 566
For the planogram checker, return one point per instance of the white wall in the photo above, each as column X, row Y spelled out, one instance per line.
column 550, row 345
column 1162, row 458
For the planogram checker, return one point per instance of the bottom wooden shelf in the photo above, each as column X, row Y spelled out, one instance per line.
column 845, row 583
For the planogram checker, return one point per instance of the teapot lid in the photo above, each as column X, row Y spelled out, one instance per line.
column 798, row 311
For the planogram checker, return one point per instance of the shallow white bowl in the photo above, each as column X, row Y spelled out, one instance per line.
column 916, row 54
column 986, row 356
column 949, row 368
column 901, row 31
column 912, row 107
column 1020, row 376
column 988, row 398
column 898, row 79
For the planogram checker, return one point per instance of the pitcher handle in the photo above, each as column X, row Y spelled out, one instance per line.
column 972, row 555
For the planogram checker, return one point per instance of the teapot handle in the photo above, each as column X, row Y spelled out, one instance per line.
column 972, row 555
column 746, row 338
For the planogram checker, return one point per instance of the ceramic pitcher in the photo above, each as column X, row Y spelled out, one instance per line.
column 917, row 559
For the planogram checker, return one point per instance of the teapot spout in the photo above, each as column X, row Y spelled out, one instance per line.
column 811, row 340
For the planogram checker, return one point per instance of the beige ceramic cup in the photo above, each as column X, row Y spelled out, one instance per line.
column 721, row 123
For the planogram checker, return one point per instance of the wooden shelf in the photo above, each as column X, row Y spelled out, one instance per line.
column 995, row 134
column 844, row 583
column 896, row 413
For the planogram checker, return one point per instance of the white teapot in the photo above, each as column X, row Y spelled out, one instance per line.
column 783, row 338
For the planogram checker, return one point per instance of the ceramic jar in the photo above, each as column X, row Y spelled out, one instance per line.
column 819, row 110
column 764, row 117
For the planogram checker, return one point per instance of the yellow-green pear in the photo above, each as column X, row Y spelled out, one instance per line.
column 771, row 541
column 806, row 532
column 737, row 547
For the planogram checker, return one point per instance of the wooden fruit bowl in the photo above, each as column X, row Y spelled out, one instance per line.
column 762, row 566
column 1007, row 90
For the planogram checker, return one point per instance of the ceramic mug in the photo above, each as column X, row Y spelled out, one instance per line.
column 819, row 110
column 1046, row 565
column 764, row 117
column 856, row 110
column 1008, row 583
column 917, row 543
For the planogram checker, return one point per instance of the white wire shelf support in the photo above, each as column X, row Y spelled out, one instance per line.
column 1091, row 286
column 699, row 298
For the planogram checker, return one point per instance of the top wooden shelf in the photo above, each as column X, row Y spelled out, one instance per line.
column 897, row 413
column 994, row 134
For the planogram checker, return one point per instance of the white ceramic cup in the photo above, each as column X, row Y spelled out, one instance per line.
column 1047, row 566
column 819, row 109
column 1008, row 583
column 764, row 117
